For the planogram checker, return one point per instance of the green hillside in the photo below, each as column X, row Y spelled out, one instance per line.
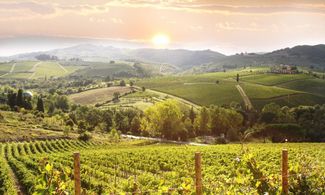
column 261, row 87
column 274, row 79
column 314, row 86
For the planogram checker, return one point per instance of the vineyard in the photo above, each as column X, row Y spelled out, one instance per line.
column 138, row 167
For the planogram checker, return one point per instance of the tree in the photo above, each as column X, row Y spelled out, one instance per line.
column 27, row 104
column 202, row 121
column 20, row 100
column 237, row 78
column 52, row 91
column 40, row 105
column 12, row 99
column 108, row 119
column 188, row 124
column 69, row 123
column 280, row 132
column 135, row 125
column 62, row 103
column 122, row 83
column 163, row 119
column 224, row 120
column 51, row 108
column 121, row 121
column 273, row 113
column 116, row 96
column 131, row 83
column 108, row 78
column 192, row 115
column 85, row 136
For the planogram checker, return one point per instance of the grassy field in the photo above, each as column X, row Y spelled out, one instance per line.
column 94, row 96
column 260, row 87
column 314, row 86
column 274, row 79
column 101, row 69
column 139, row 100
column 51, row 69
column 5, row 67
column 24, row 66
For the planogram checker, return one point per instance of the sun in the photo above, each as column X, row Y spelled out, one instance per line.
column 160, row 40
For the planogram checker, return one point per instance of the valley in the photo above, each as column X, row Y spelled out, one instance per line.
column 137, row 126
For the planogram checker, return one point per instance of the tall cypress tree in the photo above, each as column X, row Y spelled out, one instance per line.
column 40, row 105
column 12, row 99
column 192, row 115
column 20, row 101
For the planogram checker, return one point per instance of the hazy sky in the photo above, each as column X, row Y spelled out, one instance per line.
column 227, row 26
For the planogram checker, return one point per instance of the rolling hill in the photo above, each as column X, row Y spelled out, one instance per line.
column 184, row 60
column 219, row 88
column 181, row 58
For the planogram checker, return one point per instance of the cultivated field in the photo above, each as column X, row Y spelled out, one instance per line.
column 220, row 88
column 160, row 168
column 35, row 69
column 92, row 97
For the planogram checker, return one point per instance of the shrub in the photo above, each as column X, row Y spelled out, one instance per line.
column 4, row 107
column 221, row 140
column 2, row 118
column 85, row 136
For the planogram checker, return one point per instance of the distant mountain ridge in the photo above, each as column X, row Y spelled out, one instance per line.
column 200, row 61
column 179, row 57
column 303, row 55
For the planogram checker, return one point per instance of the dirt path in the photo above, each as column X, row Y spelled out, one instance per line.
column 65, row 70
column 12, row 68
column 10, row 71
column 33, row 70
column 196, row 106
column 247, row 102
column 19, row 187
column 162, row 140
column 4, row 75
column 200, row 83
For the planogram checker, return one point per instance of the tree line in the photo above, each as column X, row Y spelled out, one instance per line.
column 171, row 120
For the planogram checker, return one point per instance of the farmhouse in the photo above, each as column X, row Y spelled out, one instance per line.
column 284, row 69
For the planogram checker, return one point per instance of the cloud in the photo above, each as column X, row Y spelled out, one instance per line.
column 47, row 7
column 215, row 6
column 196, row 27
column 236, row 27
column 32, row 9
column 38, row 8
column 117, row 20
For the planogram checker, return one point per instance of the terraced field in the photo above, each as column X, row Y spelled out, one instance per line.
column 128, row 167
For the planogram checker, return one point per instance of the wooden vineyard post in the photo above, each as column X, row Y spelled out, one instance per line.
column 77, row 184
column 198, row 175
column 285, row 183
